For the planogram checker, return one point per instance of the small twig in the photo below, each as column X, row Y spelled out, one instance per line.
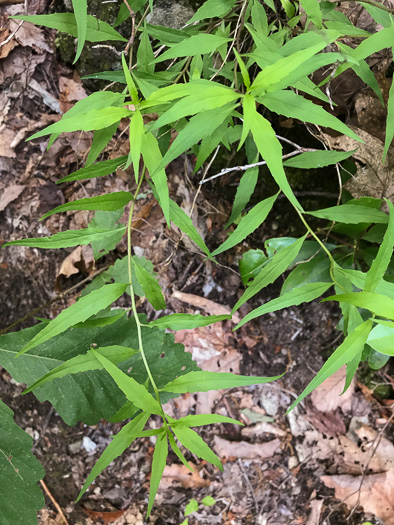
column 11, row 36
column 56, row 504
column 115, row 51
column 132, row 36
column 250, row 487
column 248, row 166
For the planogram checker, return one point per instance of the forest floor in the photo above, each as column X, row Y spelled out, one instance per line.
column 330, row 461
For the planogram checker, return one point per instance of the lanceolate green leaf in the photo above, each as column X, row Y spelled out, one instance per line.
column 211, row 9
column 137, row 131
column 358, row 279
column 390, row 122
column 97, row 30
column 85, row 362
column 304, row 294
column 379, row 265
column 274, row 268
column 80, row 8
column 130, row 82
column 204, row 419
column 294, row 106
column 376, row 303
column 268, row 146
column 245, row 190
column 134, row 391
column 158, row 464
column 100, row 141
column 118, row 445
column 150, row 286
column 312, row 9
column 351, row 346
column 248, row 224
column 87, row 306
column 67, row 239
column 196, row 445
column 110, row 202
column 317, row 159
column 195, row 45
column 381, row 339
column 178, row 452
column 187, row 321
column 97, row 170
column 205, row 381
column 351, row 214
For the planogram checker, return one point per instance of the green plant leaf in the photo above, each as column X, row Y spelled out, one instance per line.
column 80, row 8
column 158, row 464
column 208, row 501
column 195, row 45
column 212, row 9
column 184, row 223
column 273, row 269
column 83, row 363
column 314, row 271
column 358, row 279
column 191, row 507
column 130, row 82
column 187, row 321
column 145, row 55
column 250, row 265
column 137, row 131
column 106, row 220
column 134, row 391
column 150, row 286
column 87, row 306
column 204, row 419
column 100, row 141
column 205, row 381
column 254, row 218
column 351, row 214
column 380, row 263
column 118, row 445
column 109, row 202
column 196, row 445
column 381, row 339
column 312, row 9
column 97, row 170
column 374, row 302
column 352, row 345
column 20, row 471
column 67, row 239
column 295, row 106
column 97, row 30
column 317, row 159
column 245, row 190
column 377, row 360
column 92, row 396
column 178, row 452
column 303, row 294
column 268, row 146
column 89, row 121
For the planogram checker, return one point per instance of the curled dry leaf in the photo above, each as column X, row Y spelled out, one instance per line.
column 79, row 259
column 376, row 494
column 327, row 396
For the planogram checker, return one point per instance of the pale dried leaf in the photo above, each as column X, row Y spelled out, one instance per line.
column 316, row 507
column 179, row 474
column 30, row 35
column 70, row 91
column 210, row 307
column 376, row 494
column 327, row 396
column 244, row 450
column 6, row 138
column 10, row 194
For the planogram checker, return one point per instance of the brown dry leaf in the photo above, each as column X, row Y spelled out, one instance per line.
column 316, row 507
column 244, row 450
column 373, row 178
column 106, row 517
column 70, row 91
column 376, row 494
column 10, row 194
column 209, row 306
column 6, row 138
column 6, row 49
column 327, row 396
column 29, row 35
column 180, row 474
column 79, row 259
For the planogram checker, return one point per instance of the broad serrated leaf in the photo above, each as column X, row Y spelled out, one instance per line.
column 352, row 346
column 97, row 30
column 195, row 45
column 212, row 9
column 68, row 239
column 134, row 391
column 192, row 441
column 273, row 269
column 317, row 159
column 268, row 145
column 254, row 218
column 187, row 321
column 351, row 214
column 303, row 294
column 381, row 339
column 92, row 396
column 375, row 302
column 205, row 381
column 295, row 106
column 83, row 363
column 80, row 8
column 380, row 263
column 204, row 419
column 118, row 445
column 151, row 287
column 110, row 202
column 158, row 464
column 87, row 306
column 97, row 170
column 21, row 498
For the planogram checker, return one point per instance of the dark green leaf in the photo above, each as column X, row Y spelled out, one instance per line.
column 158, row 464
column 97, row 170
column 150, row 286
column 351, row 214
column 250, row 264
column 317, row 159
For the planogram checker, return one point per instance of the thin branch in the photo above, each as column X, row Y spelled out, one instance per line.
column 55, row 503
column 11, row 36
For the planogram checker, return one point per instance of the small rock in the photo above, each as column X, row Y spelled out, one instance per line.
column 75, row 447
column 89, row 445
column 292, row 462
